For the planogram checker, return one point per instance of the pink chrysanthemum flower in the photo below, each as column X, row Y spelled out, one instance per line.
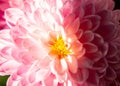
column 61, row 43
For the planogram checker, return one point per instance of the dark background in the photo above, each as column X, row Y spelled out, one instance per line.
column 117, row 4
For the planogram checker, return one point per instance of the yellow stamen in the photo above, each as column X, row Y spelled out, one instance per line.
column 59, row 48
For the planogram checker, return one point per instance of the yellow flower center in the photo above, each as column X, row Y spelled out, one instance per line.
column 60, row 48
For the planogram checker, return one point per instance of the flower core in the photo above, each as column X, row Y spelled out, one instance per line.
column 59, row 48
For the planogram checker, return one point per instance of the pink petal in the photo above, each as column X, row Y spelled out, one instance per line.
column 95, row 56
column 72, row 64
column 85, row 62
column 112, row 51
column 76, row 46
column 93, row 79
column 37, row 16
column 69, row 19
column 87, row 36
column 95, row 19
column 66, row 9
column 16, row 3
column 49, row 81
column 113, row 60
column 73, row 27
column 27, row 7
column 110, row 74
column 11, row 82
column 105, row 16
column 109, row 29
column 90, row 48
column 45, row 62
column 90, row 9
column 101, row 65
column 59, row 67
column 81, row 75
column 22, row 69
column 13, row 14
column 8, row 67
column 86, row 24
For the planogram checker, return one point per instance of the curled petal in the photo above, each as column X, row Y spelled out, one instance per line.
column 113, row 60
column 112, row 50
column 95, row 19
column 109, row 29
column 86, row 24
column 95, row 56
column 110, row 74
column 101, row 65
column 87, row 36
column 91, row 48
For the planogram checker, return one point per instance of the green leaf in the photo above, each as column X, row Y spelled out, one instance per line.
column 3, row 80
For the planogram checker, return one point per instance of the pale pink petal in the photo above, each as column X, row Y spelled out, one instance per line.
column 8, row 67
column 59, row 67
column 50, row 80
column 13, row 15
column 73, row 27
column 16, row 3
column 72, row 64
column 69, row 19
column 7, row 62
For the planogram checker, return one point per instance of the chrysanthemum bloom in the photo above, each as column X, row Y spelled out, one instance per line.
column 61, row 43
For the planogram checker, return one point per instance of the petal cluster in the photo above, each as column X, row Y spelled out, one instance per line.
column 3, row 5
column 61, row 43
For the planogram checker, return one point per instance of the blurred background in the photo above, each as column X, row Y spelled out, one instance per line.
column 3, row 79
column 117, row 4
